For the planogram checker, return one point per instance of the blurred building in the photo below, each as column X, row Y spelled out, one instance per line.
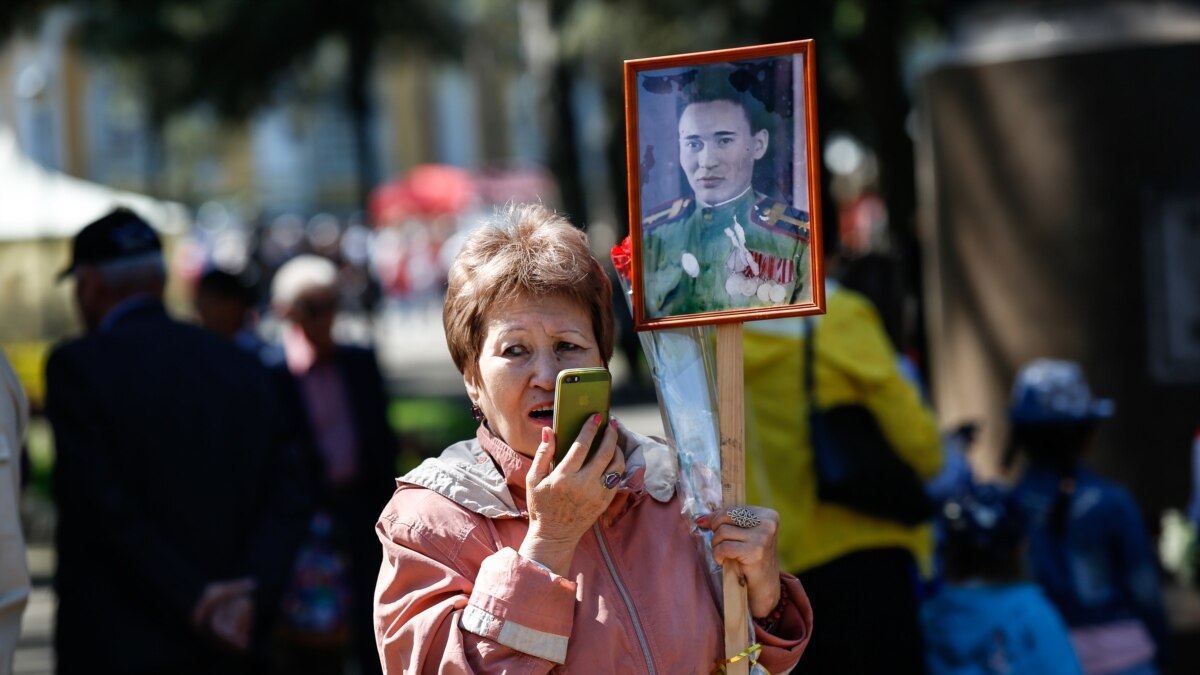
column 1059, row 157
column 87, row 116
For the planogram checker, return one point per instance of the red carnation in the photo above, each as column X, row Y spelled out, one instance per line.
column 622, row 259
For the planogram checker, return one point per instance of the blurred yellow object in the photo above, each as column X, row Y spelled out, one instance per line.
column 29, row 362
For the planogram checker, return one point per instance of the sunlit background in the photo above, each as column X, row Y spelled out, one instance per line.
column 1007, row 180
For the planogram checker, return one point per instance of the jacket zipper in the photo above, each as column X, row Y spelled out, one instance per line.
column 637, row 625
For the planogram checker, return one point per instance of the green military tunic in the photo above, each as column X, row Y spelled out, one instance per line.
column 749, row 252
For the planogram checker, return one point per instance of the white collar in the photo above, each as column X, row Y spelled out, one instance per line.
column 727, row 201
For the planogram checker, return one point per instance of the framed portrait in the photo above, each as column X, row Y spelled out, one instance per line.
column 724, row 204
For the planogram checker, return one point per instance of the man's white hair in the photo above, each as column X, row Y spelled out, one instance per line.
column 302, row 273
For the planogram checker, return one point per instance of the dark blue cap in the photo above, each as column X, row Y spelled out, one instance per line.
column 118, row 235
column 1054, row 391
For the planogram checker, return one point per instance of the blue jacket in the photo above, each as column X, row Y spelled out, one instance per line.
column 1103, row 569
column 995, row 628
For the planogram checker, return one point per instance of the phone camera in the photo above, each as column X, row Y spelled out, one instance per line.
column 572, row 378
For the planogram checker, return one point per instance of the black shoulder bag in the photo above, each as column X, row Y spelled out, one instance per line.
column 855, row 464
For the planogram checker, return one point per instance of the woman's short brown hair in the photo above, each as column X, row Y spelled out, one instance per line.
column 526, row 251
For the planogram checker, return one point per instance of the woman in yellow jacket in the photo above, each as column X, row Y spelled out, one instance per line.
column 860, row 571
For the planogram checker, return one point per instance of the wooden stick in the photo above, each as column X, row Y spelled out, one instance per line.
column 732, row 420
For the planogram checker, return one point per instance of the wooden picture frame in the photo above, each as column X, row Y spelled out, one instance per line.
column 724, row 198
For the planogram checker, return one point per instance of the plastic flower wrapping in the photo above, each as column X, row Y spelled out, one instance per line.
column 684, row 370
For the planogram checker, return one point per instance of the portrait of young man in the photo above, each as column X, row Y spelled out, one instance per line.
column 726, row 240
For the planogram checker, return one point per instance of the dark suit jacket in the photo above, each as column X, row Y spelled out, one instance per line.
column 171, row 472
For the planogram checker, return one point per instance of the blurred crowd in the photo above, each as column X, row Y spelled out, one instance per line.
column 282, row 456
column 216, row 491
column 400, row 267
column 394, row 256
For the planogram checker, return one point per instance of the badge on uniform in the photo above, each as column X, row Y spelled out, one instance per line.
column 753, row 273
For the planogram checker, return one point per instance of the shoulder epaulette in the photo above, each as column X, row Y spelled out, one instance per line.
column 669, row 213
column 778, row 216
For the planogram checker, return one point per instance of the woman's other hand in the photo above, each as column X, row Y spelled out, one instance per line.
column 751, row 544
column 565, row 500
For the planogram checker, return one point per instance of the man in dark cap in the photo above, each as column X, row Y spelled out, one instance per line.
column 115, row 260
column 180, row 506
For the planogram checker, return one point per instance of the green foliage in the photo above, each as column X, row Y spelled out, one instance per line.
column 428, row 425
column 849, row 18
column 39, row 445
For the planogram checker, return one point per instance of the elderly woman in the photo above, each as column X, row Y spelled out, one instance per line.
column 496, row 559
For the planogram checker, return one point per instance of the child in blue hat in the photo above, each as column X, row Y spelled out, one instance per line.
column 1088, row 546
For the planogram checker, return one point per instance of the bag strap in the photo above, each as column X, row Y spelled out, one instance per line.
column 810, row 330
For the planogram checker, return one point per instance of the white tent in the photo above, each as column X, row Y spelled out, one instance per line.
column 36, row 203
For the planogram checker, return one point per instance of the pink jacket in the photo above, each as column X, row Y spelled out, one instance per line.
column 454, row 596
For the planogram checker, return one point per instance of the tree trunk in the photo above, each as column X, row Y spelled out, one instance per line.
column 362, row 47
column 564, row 148
column 538, row 21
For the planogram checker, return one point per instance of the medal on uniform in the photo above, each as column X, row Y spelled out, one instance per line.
column 772, row 292
column 743, row 268
column 690, row 265
column 740, row 286
column 754, row 273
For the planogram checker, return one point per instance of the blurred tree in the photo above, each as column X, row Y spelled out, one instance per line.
column 232, row 53
column 540, row 26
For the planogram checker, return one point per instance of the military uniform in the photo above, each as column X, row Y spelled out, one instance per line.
column 749, row 252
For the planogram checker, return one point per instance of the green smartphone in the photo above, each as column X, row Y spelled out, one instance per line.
column 579, row 393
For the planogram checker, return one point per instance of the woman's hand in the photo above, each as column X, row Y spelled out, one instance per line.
column 565, row 500
column 753, row 548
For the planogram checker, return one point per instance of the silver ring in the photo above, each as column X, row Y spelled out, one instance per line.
column 611, row 479
column 744, row 518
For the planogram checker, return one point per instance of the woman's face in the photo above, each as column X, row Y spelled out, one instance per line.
column 526, row 343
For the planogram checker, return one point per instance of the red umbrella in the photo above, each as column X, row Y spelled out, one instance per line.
column 391, row 202
column 426, row 190
column 439, row 189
